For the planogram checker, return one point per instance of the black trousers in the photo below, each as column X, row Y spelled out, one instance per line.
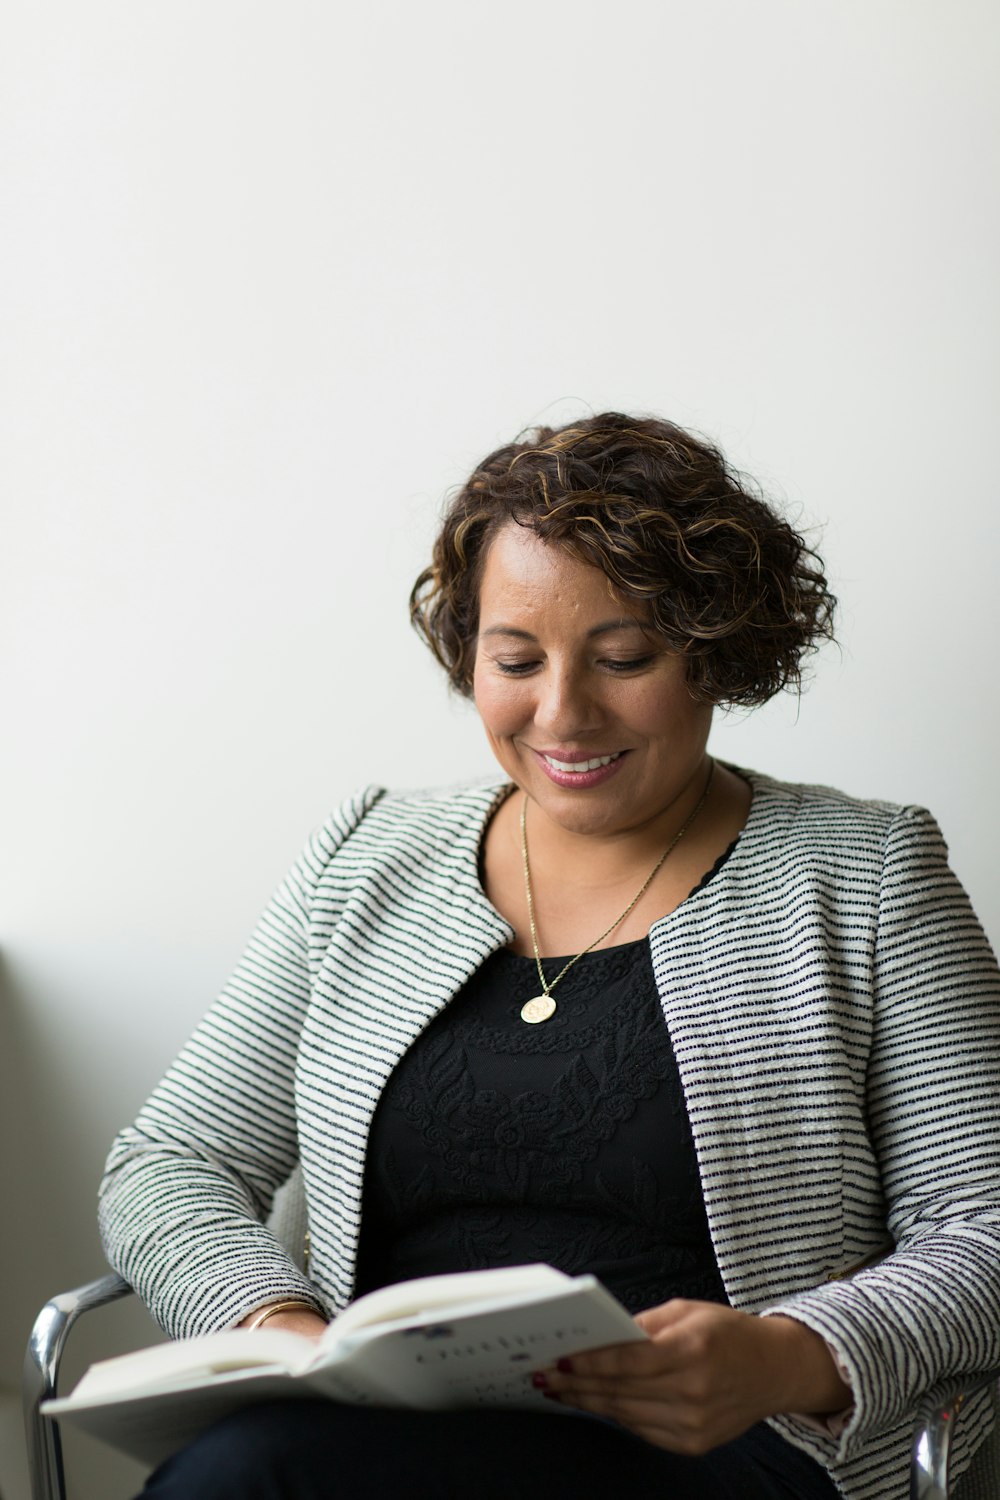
column 318, row 1450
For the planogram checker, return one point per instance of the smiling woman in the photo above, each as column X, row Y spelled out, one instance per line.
column 593, row 720
column 722, row 1111
column 723, row 579
column 572, row 701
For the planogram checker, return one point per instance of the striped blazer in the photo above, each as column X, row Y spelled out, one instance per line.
column 834, row 1008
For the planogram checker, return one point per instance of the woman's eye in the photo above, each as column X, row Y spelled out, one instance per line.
column 616, row 665
column 631, row 664
column 514, row 668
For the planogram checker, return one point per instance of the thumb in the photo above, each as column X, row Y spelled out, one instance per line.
column 654, row 1320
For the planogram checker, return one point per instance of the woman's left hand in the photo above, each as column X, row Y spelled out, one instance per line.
column 706, row 1375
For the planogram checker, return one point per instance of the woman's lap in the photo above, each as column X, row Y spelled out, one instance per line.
column 317, row 1450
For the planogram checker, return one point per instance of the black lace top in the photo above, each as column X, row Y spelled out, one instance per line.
column 497, row 1143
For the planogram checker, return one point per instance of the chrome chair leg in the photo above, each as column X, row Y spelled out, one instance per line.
column 931, row 1451
column 41, row 1374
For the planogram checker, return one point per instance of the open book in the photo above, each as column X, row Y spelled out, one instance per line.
column 471, row 1339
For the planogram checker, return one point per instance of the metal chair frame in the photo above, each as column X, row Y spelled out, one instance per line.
column 42, row 1359
column 933, row 1433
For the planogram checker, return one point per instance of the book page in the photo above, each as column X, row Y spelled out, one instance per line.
column 149, row 1426
column 410, row 1299
column 184, row 1360
column 480, row 1356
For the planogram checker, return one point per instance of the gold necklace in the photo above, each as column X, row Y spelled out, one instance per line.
column 542, row 1007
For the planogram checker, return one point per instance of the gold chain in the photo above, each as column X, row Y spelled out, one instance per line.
column 547, row 988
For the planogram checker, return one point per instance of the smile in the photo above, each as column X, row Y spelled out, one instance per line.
column 580, row 767
column 581, row 773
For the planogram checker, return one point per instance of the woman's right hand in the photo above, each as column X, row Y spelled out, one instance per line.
column 707, row 1374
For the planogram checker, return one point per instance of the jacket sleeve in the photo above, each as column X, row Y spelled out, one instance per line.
column 930, row 1310
column 187, row 1187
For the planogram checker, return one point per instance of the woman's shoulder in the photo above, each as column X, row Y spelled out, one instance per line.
column 434, row 815
column 457, row 802
column 824, row 816
column 816, row 798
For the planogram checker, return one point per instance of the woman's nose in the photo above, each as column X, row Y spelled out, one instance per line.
column 565, row 709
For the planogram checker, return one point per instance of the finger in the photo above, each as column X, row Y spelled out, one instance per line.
column 676, row 1428
column 653, row 1320
column 629, row 1411
column 649, row 1419
column 617, row 1361
column 692, row 1391
column 640, row 1383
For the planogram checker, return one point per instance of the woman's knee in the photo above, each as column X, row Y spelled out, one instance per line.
column 264, row 1452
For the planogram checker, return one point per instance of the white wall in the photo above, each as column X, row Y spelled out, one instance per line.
column 275, row 276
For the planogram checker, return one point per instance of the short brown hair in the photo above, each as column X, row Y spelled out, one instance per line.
column 728, row 582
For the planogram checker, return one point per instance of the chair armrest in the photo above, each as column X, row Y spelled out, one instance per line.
column 936, row 1420
column 41, row 1375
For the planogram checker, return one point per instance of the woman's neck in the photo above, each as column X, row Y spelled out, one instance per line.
column 582, row 880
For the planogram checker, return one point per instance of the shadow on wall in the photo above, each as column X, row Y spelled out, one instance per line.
column 54, row 1141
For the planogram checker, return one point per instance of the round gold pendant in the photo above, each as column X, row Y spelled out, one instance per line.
column 538, row 1009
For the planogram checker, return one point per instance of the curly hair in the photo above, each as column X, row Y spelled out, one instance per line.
column 726, row 580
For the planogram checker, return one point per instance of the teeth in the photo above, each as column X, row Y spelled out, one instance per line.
column 577, row 767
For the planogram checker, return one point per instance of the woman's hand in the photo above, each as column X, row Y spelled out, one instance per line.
column 707, row 1374
column 302, row 1320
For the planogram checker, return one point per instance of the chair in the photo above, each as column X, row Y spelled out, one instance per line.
column 932, row 1439
column 934, row 1430
column 47, row 1342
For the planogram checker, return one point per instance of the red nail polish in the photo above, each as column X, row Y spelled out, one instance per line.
column 539, row 1381
column 564, row 1366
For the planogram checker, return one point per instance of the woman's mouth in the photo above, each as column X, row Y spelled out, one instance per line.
column 579, row 771
column 581, row 765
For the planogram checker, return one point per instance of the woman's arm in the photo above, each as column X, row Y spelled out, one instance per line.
column 187, row 1187
column 930, row 1310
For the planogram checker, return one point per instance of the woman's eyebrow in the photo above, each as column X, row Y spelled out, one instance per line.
column 628, row 622
column 605, row 628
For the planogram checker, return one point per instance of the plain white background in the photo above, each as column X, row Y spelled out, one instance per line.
column 274, row 277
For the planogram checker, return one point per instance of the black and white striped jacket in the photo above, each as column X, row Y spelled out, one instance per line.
column 834, row 1008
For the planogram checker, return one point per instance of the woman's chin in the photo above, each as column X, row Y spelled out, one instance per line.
column 593, row 812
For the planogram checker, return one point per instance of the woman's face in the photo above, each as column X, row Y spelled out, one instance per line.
column 583, row 704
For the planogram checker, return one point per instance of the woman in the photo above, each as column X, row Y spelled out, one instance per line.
column 731, row 1045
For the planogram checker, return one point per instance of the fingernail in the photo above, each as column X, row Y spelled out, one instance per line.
column 564, row 1366
column 539, row 1381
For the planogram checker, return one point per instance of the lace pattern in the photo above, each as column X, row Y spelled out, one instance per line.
column 496, row 1143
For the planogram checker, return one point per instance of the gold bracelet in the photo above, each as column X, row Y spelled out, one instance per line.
column 295, row 1303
